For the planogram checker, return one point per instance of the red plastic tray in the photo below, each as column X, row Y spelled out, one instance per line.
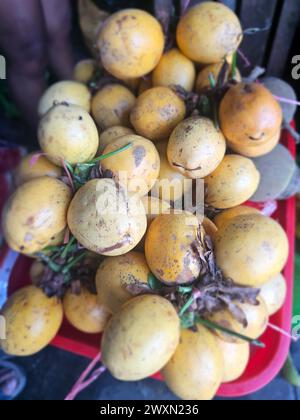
column 264, row 365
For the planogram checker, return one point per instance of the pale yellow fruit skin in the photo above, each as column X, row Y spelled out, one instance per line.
column 110, row 135
column 257, row 317
column 116, row 275
column 235, row 358
column 84, row 311
column 196, row 147
column 136, row 168
column 68, row 132
column 36, row 272
column 154, row 207
column 227, row 215
column 157, row 112
column 233, row 182
column 26, row 171
column 68, row 91
column 251, row 249
column 35, row 213
column 130, row 43
column 112, row 106
column 32, row 321
column 85, row 70
column 274, row 293
column 203, row 81
column 171, row 184
column 141, row 338
column 195, row 370
column 219, row 37
column 169, row 248
column 104, row 225
column 174, row 69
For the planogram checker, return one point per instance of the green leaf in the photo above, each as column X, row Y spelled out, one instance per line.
column 68, row 247
column 73, row 262
column 154, row 283
column 187, row 321
column 186, row 306
column 212, row 80
column 290, row 372
column 185, row 289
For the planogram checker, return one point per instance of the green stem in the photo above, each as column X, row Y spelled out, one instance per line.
column 108, row 155
column 74, row 262
column 68, row 247
column 187, row 305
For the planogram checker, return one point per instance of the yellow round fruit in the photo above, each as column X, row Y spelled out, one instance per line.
column 195, row 371
column 32, row 321
column 118, row 279
column 227, row 215
column 131, row 43
column 174, row 69
column 105, row 220
column 85, row 312
column 209, row 32
column 251, row 249
column 70, row 92
column 36, row 272
column 203, row 80
column 256, row 149
column 141, row 338
column 196, row 147
column 170, row 250
column 257, row 318
column 110, row 135
column 209, row 227
column 157, row 112
column 68, row 133
column 137, row 168
column 30, row 168
column 35, row 214
column 233, row 182
column 112, row 106
column 85, row 70
column 235, row 359
column 274, row 293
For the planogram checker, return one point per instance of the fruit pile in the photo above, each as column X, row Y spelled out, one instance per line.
column 176, row 291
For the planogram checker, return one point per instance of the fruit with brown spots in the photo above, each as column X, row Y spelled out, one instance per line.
column 209, row 32
column 141, row 338
column 112, row 106
column 110, row 135
column 157, row 112
column 32, row 321
column 227, row 215
column 137, row 168
column 118, row 279
column 203, row 80
column 196, row 147
column 105, row 220
column 251, row 249
column 68, row 133
column 131, row 43
column 171, row 248
column 195, row 371
column 35, row 213
column 233, row 182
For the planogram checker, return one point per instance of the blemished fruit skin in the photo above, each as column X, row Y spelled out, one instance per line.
column 196, row 147
column 274, row 293
column 30, row 168
column 70, row 92
column 118, row 277
column 110, row 135
column 112, row 106
column 131, row 43
column 235, row 359
column 68, row 133
column 141, row 338
column 105, row 220
column 227, row 215
column 250, row 117
column 85, row 70
column 170, row 250
column 217, row 23
column 136, row 168
column 85, row 312
column 257, row 318
column 35, row 213
column 233, row 182
column 256, row 149
column 251, row 249
column 157, row 112
column 195, row 370
column 203, row 80
column 174, row 69
column 32, row 321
